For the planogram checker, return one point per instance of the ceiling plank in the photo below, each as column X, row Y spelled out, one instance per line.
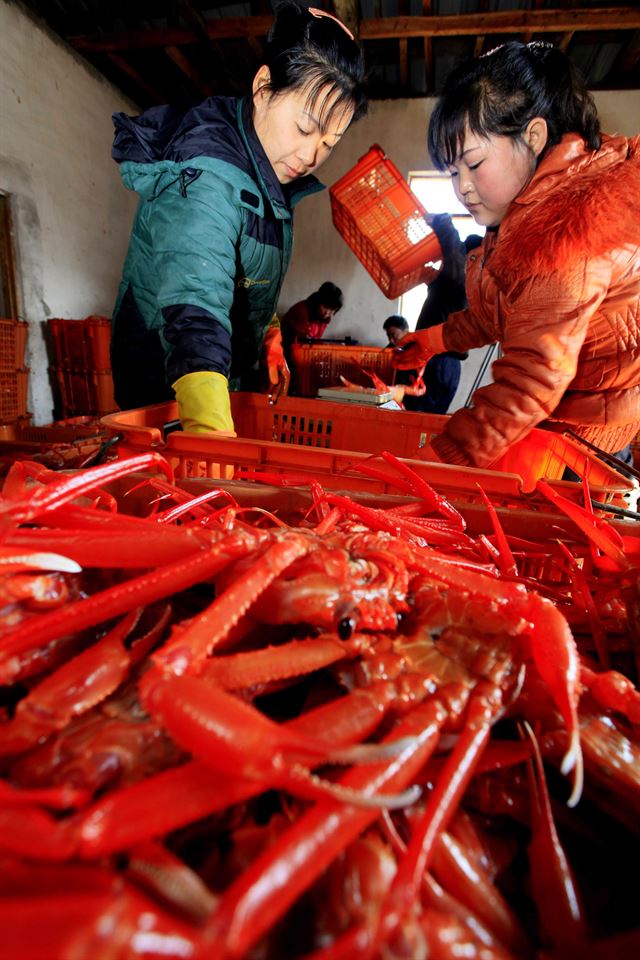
column 565, row 40
column 122, row 64
column 429, row 66
column 221, row 28
column 404, row 64
column 510, row 21
column 393, row 28
column 194, row 75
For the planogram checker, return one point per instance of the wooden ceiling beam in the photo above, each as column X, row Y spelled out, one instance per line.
column 565, row 40
column 122, row 64
column 404, row 64
column 185, row 65
column 429, row 65
column 509, row 21
column 384, row 28
column 222, row 28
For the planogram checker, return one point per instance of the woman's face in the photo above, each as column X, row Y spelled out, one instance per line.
column 289, row 129
column 490, row 172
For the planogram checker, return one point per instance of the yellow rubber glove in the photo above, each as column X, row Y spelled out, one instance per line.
column 274, row 358
column 416, row 348
column 203, row 403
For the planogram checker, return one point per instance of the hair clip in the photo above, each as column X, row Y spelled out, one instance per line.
column 315, row 12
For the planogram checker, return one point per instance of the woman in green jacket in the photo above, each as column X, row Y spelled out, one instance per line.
column 212, row 236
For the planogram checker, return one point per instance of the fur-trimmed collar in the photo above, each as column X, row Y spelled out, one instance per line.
column 580, row 203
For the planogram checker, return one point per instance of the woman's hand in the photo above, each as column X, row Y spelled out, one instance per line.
column 417, row 348
column 278, row 369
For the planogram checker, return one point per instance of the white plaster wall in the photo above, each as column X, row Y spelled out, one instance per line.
column 71, row 214
column 320, row 253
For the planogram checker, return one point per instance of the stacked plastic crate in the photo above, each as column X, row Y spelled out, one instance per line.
column 14, row 376
column 82, row 370
column 318, row 365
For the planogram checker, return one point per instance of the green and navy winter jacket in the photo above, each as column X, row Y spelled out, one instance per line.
column 209, row 249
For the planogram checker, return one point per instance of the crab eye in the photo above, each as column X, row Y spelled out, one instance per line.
column 346, row 627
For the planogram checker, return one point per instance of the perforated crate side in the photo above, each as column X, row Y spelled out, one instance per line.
column 13, row 343
column 383, row 222
column 13, row 394
column 318, row 366
column 81, row 344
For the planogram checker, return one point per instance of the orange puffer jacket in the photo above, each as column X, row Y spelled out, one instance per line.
column 558, row 286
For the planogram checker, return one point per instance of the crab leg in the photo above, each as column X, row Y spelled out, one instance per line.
column 173, row 798
column 141, row 546
column 553, row 885
column 116, row 600
column 67, row 488
column 261, row 895
column 77, row 686
column 190, row 645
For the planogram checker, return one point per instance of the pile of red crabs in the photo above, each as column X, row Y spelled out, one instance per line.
column 341, row 731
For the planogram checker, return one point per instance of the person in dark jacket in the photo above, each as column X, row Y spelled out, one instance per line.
column 446, row 295
column 396, row 327
column 212, row 236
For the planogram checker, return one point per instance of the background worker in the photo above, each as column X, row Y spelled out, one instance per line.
column 212, row 236
column 396, row 327
column 557, row 279
column 446, row 295
column 308, row 319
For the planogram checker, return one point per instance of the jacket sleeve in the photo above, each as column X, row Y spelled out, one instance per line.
column 193, row 233
column 545, row 322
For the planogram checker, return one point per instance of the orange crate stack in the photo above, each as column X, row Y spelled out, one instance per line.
column 382, row 220
column 14, row 376
column 82, row 368
column 318, row 439
column 316, row 365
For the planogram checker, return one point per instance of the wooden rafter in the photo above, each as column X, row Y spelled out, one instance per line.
column 429, row 71
column 510, row 21
column 194, row 75
column 126, row 67
column 391, row 28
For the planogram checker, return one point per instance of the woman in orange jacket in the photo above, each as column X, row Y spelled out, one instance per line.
column 557, row 279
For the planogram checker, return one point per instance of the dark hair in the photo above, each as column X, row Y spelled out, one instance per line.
column 328, row 295
column 500, row 92
column 396, row 320
column 318, row 52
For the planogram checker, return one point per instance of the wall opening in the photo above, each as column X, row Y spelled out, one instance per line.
column 435, row 192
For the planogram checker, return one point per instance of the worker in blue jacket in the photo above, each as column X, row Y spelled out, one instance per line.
column 212, row 236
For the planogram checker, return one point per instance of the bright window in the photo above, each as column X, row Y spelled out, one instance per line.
column 436, row 194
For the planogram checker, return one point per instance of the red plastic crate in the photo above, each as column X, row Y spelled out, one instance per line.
column 73, row 430
column 382, row 220
column 81, row 344
column 13, row 344
column 84, row 392
column 318, row 365
column 13, row 394
column 327, row 441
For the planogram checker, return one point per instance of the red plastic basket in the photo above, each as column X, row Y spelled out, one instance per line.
column 316, row 365
column 13, row 394
column 84, row 392
column 81, row 344
column 13, row 343
column 382, row 220
column 327, row 441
